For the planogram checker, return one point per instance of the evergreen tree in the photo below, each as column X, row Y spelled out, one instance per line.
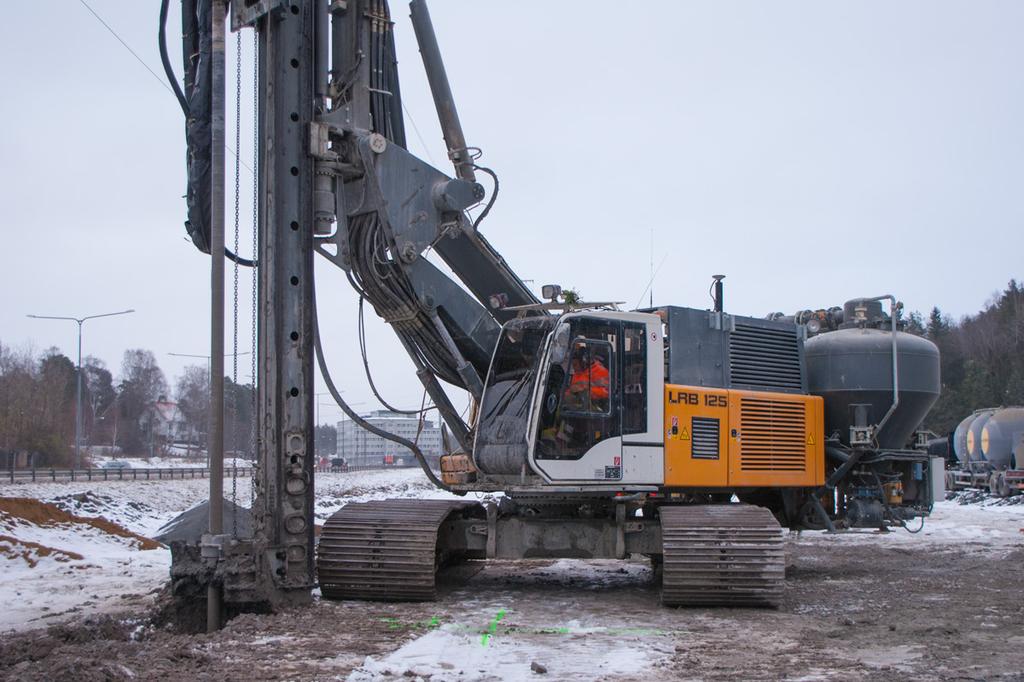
column 982, row 358
column 915, row 324
column 937, row 326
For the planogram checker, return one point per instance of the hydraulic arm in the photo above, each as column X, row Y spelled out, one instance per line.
column 380, row 209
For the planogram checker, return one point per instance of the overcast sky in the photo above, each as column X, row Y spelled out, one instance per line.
column 811, row 151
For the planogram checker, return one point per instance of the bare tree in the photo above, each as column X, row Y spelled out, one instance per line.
column 142, row 384
column 36, row 405
column 98, row 386
column 193, row 396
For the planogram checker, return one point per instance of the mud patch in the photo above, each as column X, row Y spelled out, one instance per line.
column 849, row 613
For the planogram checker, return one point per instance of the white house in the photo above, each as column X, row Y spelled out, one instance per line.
column 164, row 424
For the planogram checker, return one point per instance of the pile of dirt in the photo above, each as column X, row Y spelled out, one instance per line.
column 32, row 552
column 36, row 512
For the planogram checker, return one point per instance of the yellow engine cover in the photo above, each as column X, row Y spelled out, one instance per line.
column 718, row 438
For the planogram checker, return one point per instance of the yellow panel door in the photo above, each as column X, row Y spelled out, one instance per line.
column 775, row 440
column 696, row 437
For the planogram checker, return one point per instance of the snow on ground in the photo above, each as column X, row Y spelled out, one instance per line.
column 513, row 614
column 193, row 462
column 146, row 506
column 112, row 573
column 456, row 652
column 53, row 566
column 140, row 506
column 334, row 491
column 987, row 526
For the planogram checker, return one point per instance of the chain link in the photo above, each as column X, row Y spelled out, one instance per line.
column 234, row 289
column 254, row 431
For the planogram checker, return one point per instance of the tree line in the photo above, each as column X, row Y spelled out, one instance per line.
column 38, row 398
column 982, row 366
column 982, row 357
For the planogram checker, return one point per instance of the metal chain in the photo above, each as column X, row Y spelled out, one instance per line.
column 234, row 290
column 254, row 434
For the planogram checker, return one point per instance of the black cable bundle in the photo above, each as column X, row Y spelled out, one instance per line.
column 384, row 283
column 197, row 47
column 385, row 98
column 196, row 103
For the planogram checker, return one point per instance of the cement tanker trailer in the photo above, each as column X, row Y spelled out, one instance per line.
column 989, row 446
column 1001, row 440
column 960, row 435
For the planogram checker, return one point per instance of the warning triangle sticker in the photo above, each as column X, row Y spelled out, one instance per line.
column 684, row 434
column 810, row 439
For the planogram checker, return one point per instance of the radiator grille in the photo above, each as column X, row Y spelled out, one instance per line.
column 705, row 438
column 764, row 358
column 772, row 435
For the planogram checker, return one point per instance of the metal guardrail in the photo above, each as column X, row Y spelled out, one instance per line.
column 141, row 474
column 362, row 467
column 125, row 474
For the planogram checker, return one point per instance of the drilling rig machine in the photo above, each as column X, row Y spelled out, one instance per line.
column 608, row 432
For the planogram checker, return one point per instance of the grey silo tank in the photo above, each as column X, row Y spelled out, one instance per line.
column 854, row 365
column 974, row 453
column 960, row 438
column 1000, row 435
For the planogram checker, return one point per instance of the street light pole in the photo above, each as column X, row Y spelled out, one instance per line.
column 78, row 386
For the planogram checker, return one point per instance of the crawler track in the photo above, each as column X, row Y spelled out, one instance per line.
column 721, row 555
column 383, row 550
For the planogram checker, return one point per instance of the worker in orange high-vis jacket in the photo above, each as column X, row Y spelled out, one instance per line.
column 589, row 382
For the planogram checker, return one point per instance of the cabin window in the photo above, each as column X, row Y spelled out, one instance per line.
column 634, row 378
column 580, row 406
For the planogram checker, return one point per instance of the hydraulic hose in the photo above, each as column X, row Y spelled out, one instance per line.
column 166, row 60
column 336, row 394
column 383, row 282
column 369, row 375
column 848, row 462
column 837, row 454
column 494, row 195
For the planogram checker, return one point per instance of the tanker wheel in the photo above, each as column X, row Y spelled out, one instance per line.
column 950, row 481
column 997, row 485
column 1004, row 487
